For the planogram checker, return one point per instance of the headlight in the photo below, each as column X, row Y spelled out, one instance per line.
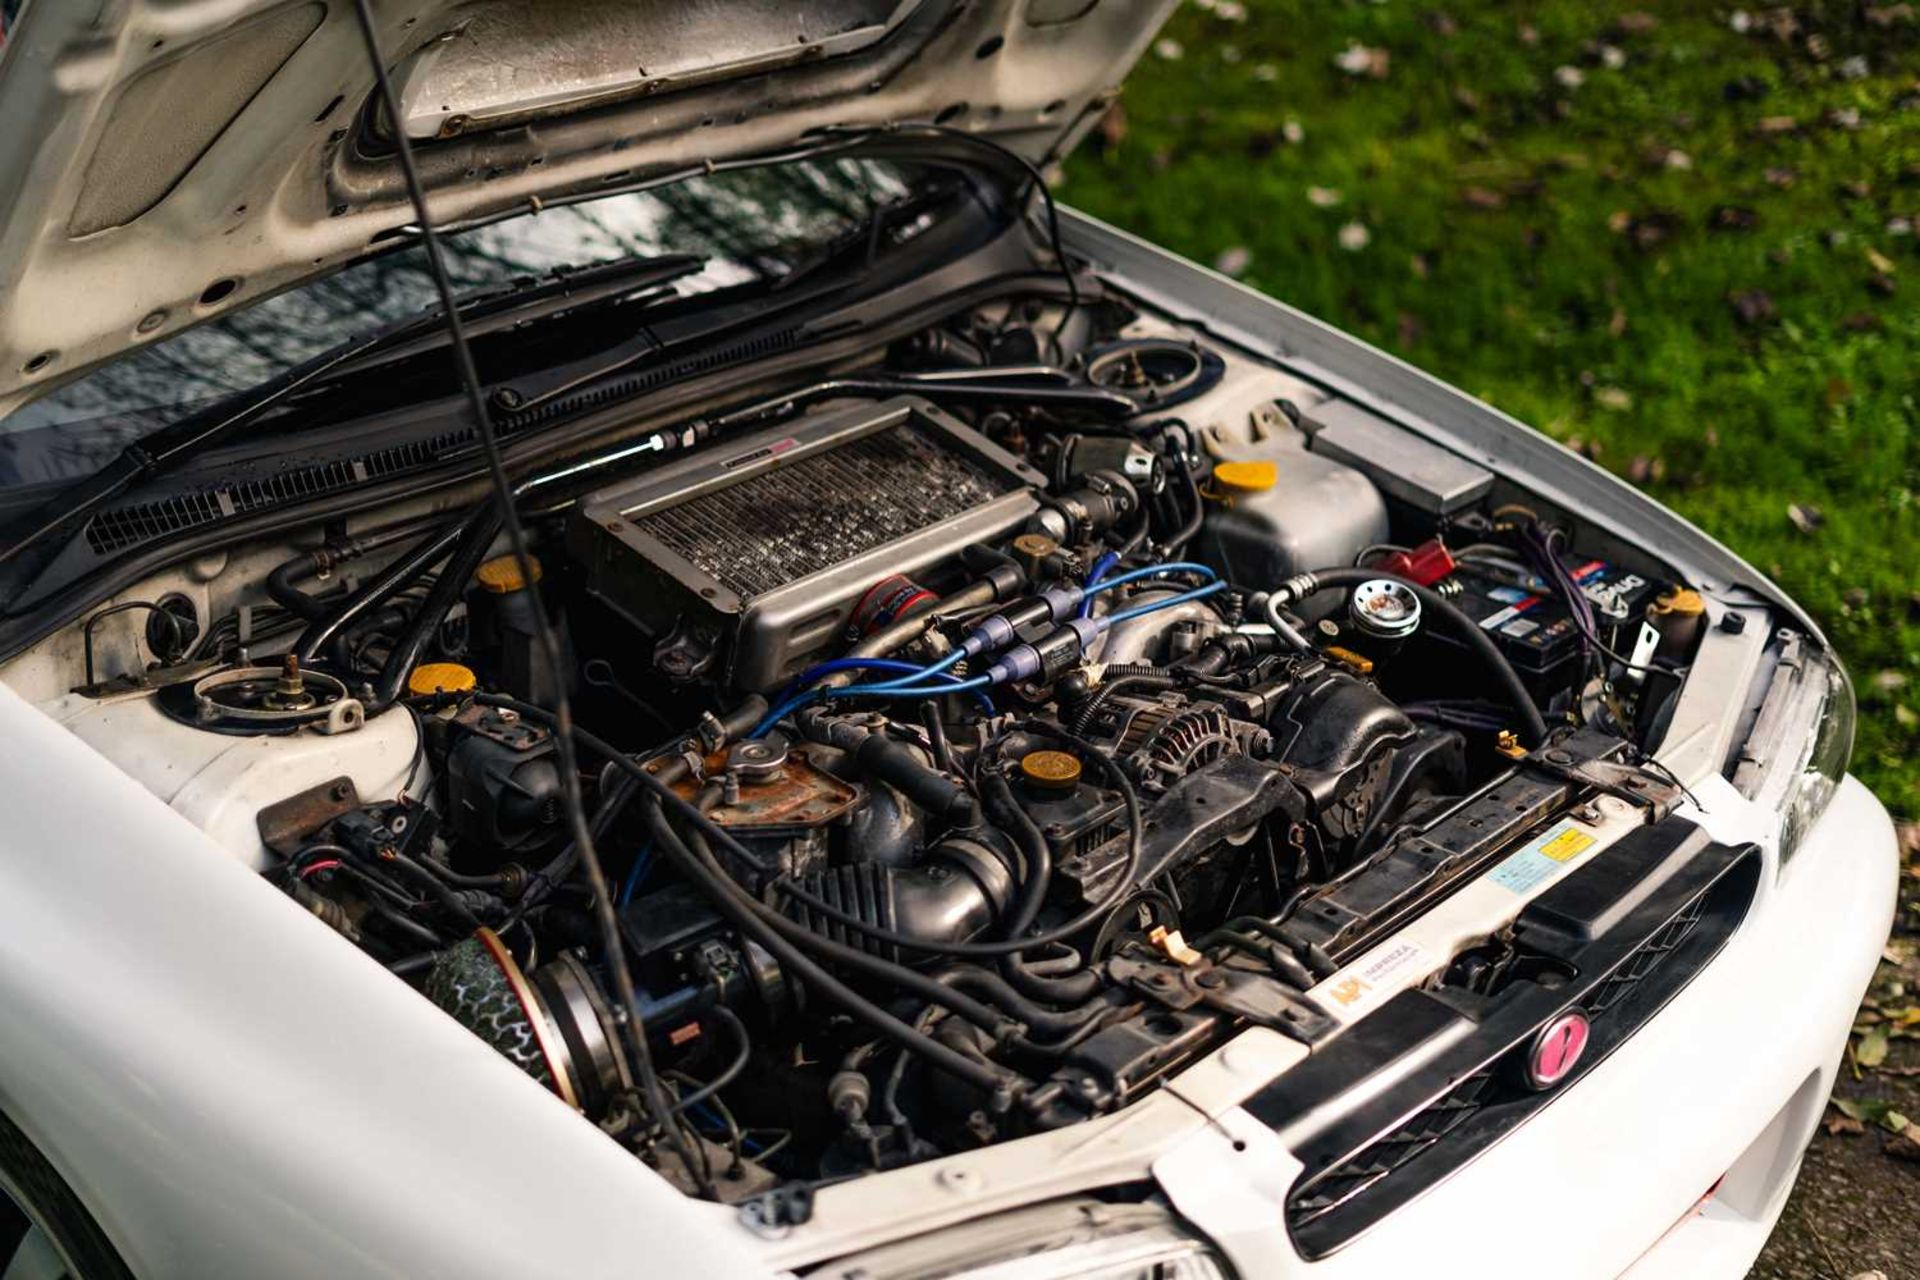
column 1072, row 1240
column 1798, row 750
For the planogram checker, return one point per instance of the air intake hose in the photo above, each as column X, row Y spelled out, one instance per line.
column 952, row 895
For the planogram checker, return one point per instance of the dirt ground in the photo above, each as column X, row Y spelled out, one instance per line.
column 1856, row 1210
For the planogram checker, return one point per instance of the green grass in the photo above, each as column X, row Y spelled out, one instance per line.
column 1571, row 252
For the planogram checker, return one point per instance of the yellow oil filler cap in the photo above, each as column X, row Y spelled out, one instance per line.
column 1050, row 770
column 1232, row 479
column 440, row 677
column 501, row 575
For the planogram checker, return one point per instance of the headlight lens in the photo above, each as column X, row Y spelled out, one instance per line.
column 1798, row 751
column 1075, row 1240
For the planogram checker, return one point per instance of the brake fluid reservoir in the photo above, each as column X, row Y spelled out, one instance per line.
column 1275, row 509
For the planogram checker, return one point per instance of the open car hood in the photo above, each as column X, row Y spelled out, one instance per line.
column 164, row 162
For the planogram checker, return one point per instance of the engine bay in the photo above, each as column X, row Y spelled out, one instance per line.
column 971, row 739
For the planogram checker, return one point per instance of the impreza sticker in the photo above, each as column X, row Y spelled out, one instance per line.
column 1542, row 857
column 1369, row 978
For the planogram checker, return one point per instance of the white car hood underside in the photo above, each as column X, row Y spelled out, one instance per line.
column 163, row 162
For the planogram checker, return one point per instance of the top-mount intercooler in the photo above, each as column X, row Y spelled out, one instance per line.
column 754, row 552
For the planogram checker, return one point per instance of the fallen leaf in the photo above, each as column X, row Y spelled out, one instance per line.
column 1323, row 197
column 1568, row 76
column 1615, row 399
column 1805, row 517
column 1637, row 22
column 1879, row 261
column 1782, row 177
column 1733, row 217
column 1169, row 49
column 1888, row 682
column 1360, row 60
column 1354, row 237
column 1888, row 15
column 1847, row 118
column 1482, row 198
column 1872, row 1049
column 1905, row 1145
column 1866, row 1110
column 1775, row 125
column 1845, row 1124
column 1752, row 306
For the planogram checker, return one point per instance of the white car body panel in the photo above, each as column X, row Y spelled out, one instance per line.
column 235, row 1091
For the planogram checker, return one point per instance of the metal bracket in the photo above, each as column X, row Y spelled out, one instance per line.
column 772, row 1214
column 1631, row 782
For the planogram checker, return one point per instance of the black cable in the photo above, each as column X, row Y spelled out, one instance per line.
column 376, row 590
column 734, row 1067
column 726, row 897
column 86, row 631
column 1039, row 180
column 1465, row 629
column 674, row 801
column 1038, row 875
column 574, row 803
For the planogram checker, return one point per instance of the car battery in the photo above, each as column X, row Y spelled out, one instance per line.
column 1533, row 626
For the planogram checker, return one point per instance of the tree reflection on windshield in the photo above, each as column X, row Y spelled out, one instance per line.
column 749, row 224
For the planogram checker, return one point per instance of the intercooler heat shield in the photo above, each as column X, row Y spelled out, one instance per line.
column 756, row 550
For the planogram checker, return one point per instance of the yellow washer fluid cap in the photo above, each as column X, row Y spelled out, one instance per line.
column 1245, row 477
column 501, row 575
column 440, row 677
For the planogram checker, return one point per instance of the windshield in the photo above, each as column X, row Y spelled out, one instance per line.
column 751, row 224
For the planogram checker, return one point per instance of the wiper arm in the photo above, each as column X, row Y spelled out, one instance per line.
column 225, row 418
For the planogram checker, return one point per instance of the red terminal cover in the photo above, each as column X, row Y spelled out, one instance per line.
column 1425, row 564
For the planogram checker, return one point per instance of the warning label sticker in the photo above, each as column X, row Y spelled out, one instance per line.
column 1542, row 857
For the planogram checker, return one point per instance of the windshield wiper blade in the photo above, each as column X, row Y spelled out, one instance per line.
column 222, row 420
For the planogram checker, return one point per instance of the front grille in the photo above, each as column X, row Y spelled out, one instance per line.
column 1459, row 1104
column 789, row 523
column 1354, row 1189
column 1644, row 960
column 1369, row 1165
